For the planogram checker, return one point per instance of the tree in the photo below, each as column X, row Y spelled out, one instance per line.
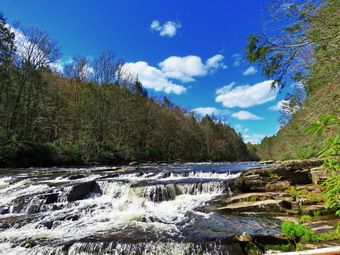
column 6, row 42
column 299, row 32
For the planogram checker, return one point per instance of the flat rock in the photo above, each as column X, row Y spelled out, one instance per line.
column 270, row 205
column 318, row 175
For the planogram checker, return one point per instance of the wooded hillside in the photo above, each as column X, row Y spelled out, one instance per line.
column 301, row 47
column 93, row 112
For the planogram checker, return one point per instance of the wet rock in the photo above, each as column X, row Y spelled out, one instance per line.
column 252, row 249
column 4, row 210
column 51, row 198
column 128, row 169
column 265, row 162
column 81, row 190
column 76, row 177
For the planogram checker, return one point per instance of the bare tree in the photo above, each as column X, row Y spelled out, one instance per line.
column 105, row 67
column 35, row 47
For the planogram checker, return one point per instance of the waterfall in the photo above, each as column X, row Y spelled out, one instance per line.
column 99, row 211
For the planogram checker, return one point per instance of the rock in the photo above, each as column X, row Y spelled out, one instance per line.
column 270, row 205
column 265, row 162
column 247, row 197
column 278, row 186
column 76, row 177
column 244, row 237
column 252, row 249
column 4, row 210
column 330, row 248
column 51, row 198
column 128, row 169
column 80, row 190
column 133, row 163
column 305, row 201
column 310, row 209
column 263, row 240
column 318, row 175
column 276, row 177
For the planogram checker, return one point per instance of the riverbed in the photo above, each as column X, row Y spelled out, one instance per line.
column 144, row 209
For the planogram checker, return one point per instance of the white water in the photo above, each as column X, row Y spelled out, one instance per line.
column 119, row 209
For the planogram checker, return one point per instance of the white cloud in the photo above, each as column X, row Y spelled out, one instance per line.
column 244, row 115
column 152, row 78
column 210, row 111
column 168, row 29
column 237, row 59
column 245, row 96
column 254, row 138
column 238, row 127
column 186, row 68
column 57, row 66
column 278, row 106
column 250, row 70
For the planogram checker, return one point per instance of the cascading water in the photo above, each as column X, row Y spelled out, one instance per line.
column 151, row 210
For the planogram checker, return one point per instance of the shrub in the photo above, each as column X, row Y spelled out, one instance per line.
column 298, row 232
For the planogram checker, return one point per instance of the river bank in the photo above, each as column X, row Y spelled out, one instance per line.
column 289, row 191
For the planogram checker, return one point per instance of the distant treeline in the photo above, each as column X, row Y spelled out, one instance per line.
column 93, row 113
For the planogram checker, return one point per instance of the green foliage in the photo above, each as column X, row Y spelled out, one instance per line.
column 306, row 194
column 298, row 232
column 330, row 153
column 332, row 193
column 325, row 122
column 305, row 218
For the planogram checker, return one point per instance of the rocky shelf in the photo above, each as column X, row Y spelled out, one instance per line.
column 283, row 190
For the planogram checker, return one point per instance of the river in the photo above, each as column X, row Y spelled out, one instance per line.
column 149, row 209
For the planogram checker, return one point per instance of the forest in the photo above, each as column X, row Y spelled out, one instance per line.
column 94, row 112
column 302, row 48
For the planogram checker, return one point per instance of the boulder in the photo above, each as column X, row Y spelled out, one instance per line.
column 252, row 249
column 81, row 190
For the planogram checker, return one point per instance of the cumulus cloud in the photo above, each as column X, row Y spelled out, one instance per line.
column 245, row 96
column 152, row 78
column 250, row 70
column 254, row 138
column 237, row 59
column 168, row 29
column 186, row 68
column 245, row 115
column 209, row 111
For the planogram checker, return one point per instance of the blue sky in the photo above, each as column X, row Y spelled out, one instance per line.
column 190, row 51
